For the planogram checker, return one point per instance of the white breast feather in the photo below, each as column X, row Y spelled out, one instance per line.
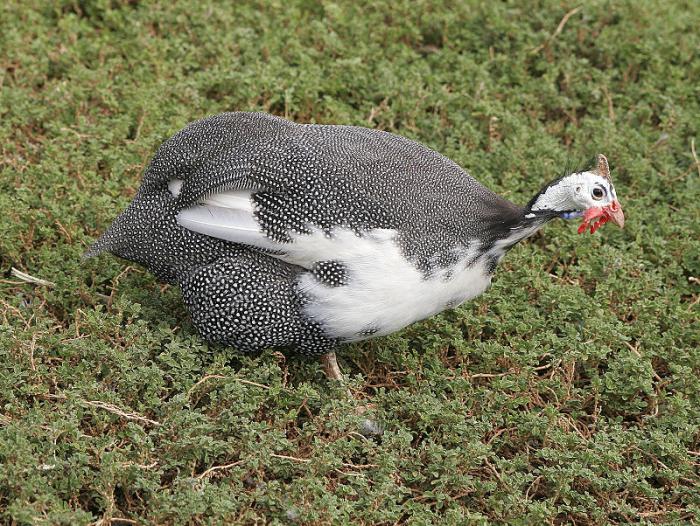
column 385, row 292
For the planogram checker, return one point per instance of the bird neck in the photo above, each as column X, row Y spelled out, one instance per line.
column 526, row 225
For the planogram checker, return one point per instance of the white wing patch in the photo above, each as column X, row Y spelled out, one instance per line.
column 229, row 224
column 234, row 199
column 230, row 216
column 225, row 215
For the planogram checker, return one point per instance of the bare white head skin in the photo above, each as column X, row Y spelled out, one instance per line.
column 576, row 192
column 590, row 194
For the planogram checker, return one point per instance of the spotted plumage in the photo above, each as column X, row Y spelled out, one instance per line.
column 251, row 301
column 330, row 273
column 306, row 236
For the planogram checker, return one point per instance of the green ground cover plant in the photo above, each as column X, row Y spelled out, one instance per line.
column 569, row 393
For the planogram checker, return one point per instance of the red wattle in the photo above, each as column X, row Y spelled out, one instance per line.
column 589, row 215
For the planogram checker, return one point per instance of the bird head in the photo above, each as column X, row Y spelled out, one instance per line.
column 589, row 194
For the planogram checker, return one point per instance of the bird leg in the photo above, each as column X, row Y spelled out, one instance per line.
column 330, row 367
column 332, row 370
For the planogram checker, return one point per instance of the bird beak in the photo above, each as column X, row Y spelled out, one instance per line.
column 614, row 211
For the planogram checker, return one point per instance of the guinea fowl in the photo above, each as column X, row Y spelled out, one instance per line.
column 309, row 236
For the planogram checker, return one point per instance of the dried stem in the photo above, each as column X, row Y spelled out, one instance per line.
column 214, row 469
column 557, row 31
column 27, row 278
column 117, row 411
column 695, row 154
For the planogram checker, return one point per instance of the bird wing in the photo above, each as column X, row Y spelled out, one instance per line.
column 275, row 185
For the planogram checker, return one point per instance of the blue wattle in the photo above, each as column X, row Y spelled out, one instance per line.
column 571, row 215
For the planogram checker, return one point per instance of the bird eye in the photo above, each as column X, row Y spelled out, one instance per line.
column 598, row 193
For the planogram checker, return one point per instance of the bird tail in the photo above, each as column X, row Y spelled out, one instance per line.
column 128, row 235
column 107, row 242
column 144, row 234
column 147, row 233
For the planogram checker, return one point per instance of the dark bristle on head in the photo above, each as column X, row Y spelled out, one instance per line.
column 577, row 164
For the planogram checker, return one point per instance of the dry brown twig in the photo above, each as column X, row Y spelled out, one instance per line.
column 248, row 382
column 307, row 460
column 200, row 382
column 287, row 457
column 557, row 31
column 117, row 411
column 219, row 377
column 214, row 469
column 695, row 154
column 28, row 278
